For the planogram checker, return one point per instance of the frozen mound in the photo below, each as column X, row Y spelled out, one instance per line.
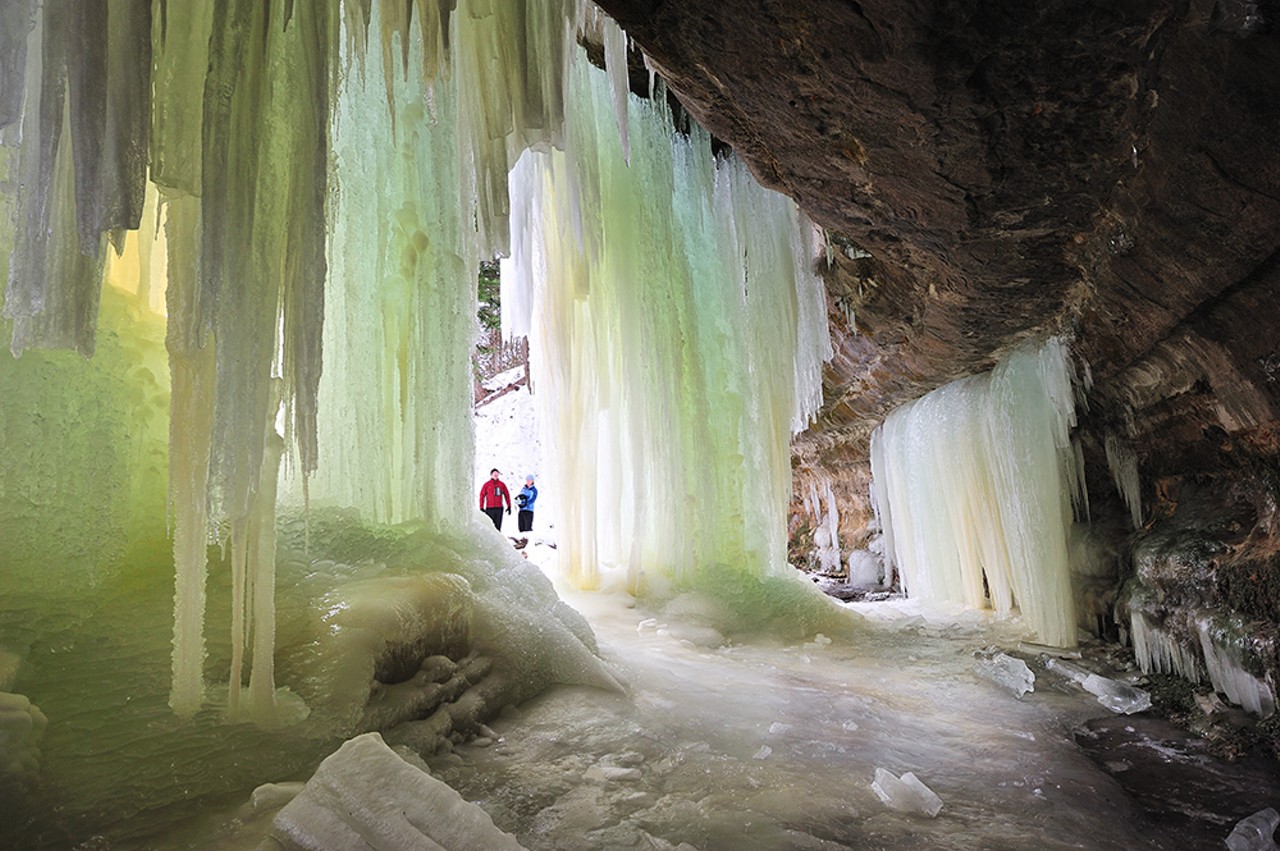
column 21, row 728
column 431, row 643
column 365, row 796
column 387, row 632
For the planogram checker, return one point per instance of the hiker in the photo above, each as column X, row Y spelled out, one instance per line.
column 492, row 494
column 525, row 499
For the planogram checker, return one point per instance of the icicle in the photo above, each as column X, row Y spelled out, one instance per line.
column 669, row 364
column 1225, row 667
column 1123, row 464
column 17, row 17
column 191, row 365
column 109, row 68
column 1157, row 651
column 395, row 432
column 615, row 61
column 976, row 480
column 53, row 290
column 181, row 33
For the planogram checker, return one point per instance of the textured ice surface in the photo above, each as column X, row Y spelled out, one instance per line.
column 366, row 796
column 1255, row 833
column 974, row 485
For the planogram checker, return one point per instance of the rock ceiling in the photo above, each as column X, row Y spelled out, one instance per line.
column 990, row 171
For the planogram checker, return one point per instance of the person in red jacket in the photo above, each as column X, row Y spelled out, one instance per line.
column 492, row 495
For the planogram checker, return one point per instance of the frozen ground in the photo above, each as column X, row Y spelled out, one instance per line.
column 743, row 743
column 774, row 745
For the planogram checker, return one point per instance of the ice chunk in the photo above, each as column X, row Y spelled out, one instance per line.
column 1007, row 672
column 906, row 794
column 1074, row 673
column 366, row 796
column 1255, row 833
column 21, row 728
column 1119, row 697
column 613, row 773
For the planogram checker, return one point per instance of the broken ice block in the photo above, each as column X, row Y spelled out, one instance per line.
column 1075, row 673
column 1119, row 697
column 1255, row 833
column 1007, row 672
column 906, row 794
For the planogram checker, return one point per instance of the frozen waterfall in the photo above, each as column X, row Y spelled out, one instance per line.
column 974, row 484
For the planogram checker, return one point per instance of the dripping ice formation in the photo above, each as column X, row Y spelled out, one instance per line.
column 246, row 112
column 974, row 485
column 677, row 335
column 325, row 179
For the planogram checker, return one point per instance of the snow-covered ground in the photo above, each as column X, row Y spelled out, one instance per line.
column 507, row 437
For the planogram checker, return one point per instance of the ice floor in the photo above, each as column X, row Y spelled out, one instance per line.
column 774, row 746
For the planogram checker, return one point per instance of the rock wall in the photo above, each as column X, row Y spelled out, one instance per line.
column 988, row 172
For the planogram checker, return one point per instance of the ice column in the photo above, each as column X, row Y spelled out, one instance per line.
column 422, row 145
column 974, row 485
column 245, row 301
column 395, row 429
column 677, row 339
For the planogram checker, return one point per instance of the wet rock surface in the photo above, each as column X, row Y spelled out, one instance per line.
column 1177, row 779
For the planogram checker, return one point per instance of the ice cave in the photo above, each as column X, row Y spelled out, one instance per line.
column 900, row 381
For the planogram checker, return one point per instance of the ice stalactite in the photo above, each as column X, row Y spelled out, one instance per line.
column 668, row 362
column 826, row 536
column 1158, row 651
column 16, row 19
column 85, row 105
column 395, row 432
column 1224, row 664
column 1124, row 472
column 974, row 485
column 180, row 39
column 53, row 290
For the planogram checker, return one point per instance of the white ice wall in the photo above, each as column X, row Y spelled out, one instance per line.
column 677, row 335
column 977, row 479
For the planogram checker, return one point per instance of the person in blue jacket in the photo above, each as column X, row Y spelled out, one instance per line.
column 525, row 499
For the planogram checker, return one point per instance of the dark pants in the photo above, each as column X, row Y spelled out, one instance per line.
column 495, row 514
column 525, row 519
